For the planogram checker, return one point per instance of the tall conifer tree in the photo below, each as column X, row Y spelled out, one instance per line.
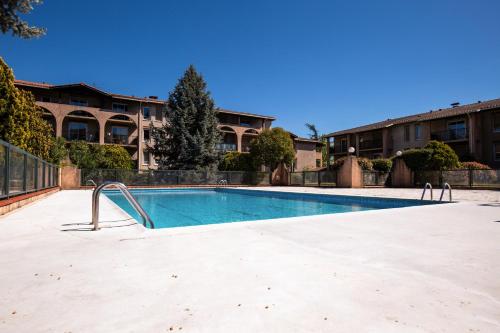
column 188, row 140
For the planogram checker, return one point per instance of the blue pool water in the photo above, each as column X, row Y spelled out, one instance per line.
column 188, row 207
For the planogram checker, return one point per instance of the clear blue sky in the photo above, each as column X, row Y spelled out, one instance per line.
column 337, row 64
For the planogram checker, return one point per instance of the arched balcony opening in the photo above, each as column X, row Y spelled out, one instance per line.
column 229, row 140
column 247, row 138
column 50, row 119
column 80, row 125
column 121, row 130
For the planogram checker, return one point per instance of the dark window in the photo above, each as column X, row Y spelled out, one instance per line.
column 77, row 131
column 245, row 121
column 496, row 151
column 407, row 133
column 496, row 121
column 146, row 112
column 120, row 107
column 145, row 159
column 146, row 135
column 418, row 132
column 45, row 98
column 318, row 163
column 343, row 145
column 79, row 102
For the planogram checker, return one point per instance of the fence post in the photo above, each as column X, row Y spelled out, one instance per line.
column 471, row 180
column 25, row 166
column 36, row 175
column 303, row 178
column 7, row 170
column 319, row 178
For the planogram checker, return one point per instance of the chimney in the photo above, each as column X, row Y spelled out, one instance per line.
column 153, row 97
column 455, row 104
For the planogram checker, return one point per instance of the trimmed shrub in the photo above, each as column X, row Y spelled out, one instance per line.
column 338, row 163
column 417, row 159
column 382, row 164
column 86, row 156
column 474, row 166
column 443, row 157
column 365, row 164
column 235, row 161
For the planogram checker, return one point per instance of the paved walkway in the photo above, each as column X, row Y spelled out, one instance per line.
column 415, row 269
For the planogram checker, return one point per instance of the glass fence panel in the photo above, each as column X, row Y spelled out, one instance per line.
column 486, row 178
column 16, row 172
column 30, row 174
column 3, row 169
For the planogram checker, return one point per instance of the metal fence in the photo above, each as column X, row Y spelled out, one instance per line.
column 314, row 178
column 459, row 178
column 173, row 177
column 376, row 178
column 23, row 173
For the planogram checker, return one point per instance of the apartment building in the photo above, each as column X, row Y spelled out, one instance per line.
column 308, row 155
column 80, row 111
column 472, row 130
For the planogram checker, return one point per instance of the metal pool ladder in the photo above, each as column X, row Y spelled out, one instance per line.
column 126, row 193
column 445, row 185
column 223, row 182
column 427, row 186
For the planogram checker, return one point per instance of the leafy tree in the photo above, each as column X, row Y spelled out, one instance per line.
column 21, row 122
column 417, row 159
column 272, row 147
column 10, row 20
column 58, row 151
column 236, row 161
column 382, row 164
column 88, row 156
column 313, row 131
column 443, row 157
column 188, row 140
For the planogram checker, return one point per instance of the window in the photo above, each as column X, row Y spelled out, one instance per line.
column 45, row 98
column 77, row 131
column 496, row 122
column 407, row 133
column 496, row 151
column 117, row 107
column 78, row 102
column 418, row 132
column 245, row 121
column 119, row 135
column 456, row 130
column 343, row 145
column 146, row 112
column 318, row 163
column 145, row 157
column 146, row 135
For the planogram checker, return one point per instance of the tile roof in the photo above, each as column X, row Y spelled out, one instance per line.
column 431, row 115
column 44, row 85
column 245, row 114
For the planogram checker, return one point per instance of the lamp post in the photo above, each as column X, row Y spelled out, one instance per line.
column 399, row 153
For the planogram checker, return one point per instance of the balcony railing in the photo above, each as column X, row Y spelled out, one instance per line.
column 89, row 137
column 226, row 147
column 451, row 135
column 118, row 139
column 370, row 144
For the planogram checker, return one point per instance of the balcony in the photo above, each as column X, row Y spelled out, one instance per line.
column 124, row 140
column 223, row 147
column 82, row 136
column 451, row 135
column 370, row 144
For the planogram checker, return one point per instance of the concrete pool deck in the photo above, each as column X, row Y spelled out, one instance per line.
column 415, row 269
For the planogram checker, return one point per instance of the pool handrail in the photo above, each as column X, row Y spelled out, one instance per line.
column 445, row 185
column 92, row 182
column 426, row 186
column 126, row 193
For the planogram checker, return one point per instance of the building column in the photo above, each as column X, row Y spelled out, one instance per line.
column 385, row 142
column 472, row 141
column 59, row 125
column 239, row 140
column 102, row 131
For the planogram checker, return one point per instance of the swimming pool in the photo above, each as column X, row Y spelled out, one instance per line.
column 189, row 207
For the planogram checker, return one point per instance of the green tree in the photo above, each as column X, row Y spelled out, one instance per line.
column 236, row 161
column 88, row 156
column 443, row 157
column 272, row 147
column 188, row 140
column 313, row 131
column 58, row 151
column 10, row 20
column 314, row 134
column 21, row 122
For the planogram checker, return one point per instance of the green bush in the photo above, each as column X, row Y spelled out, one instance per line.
column 337, row 163
column 235, row 161
column 417, row 159
column 365, row 163
column 87, row 156
column 382, row 164
column 474, row 166
column 443, row 157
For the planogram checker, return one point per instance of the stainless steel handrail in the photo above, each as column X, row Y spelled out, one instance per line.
column 92, row 182
column 126, row 193
column 427, row 185
column 445, row 185
column 223, row 182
